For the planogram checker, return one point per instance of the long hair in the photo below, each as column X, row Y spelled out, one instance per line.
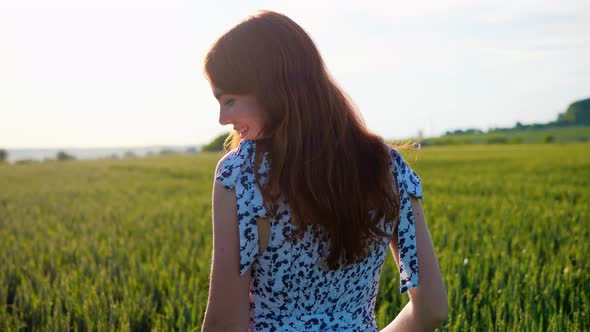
column 330, row 168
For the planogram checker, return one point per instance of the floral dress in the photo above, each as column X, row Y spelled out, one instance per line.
column 291, row 290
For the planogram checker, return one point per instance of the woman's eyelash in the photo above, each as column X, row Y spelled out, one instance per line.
column 229, row 101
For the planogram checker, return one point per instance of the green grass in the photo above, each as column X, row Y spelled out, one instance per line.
column 126, row 244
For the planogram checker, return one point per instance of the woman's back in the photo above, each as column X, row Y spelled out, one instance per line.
column 319, row 269
column 292, row 289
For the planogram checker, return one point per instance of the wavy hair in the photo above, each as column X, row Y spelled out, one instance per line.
column 330, row 168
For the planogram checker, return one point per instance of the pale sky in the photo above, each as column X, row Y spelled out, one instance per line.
column 118, row 73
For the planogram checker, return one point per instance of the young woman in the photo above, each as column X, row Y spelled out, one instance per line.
column 308, row 201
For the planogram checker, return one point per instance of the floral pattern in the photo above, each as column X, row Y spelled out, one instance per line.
column 291, row 290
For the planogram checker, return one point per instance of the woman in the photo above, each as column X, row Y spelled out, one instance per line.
column 308, row 201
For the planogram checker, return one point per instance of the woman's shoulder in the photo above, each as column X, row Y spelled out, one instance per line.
column 230, row 165
column 395, row 152
column 405, row 175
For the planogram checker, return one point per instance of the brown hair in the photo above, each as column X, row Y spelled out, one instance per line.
column 330, row 168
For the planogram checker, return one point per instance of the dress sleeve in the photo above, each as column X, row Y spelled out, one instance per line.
column 409, row 184
column 230, row 169
column 237, row 173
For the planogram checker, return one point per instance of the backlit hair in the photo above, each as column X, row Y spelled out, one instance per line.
column 331, row 169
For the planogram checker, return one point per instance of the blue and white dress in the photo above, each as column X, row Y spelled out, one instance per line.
column 291, row 290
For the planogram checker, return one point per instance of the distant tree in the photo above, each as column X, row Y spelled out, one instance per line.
column 3, row 155
column 167, row 152
column 497, row 140
column 578, row 113
column 216, row 144
column 62, row 156
column 469, row 131
column 25, row 161
column 129, row 154
column 191, row 149
column 472, row 131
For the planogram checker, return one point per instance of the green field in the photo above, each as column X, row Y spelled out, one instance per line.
column 125, row 244
column 569, row 134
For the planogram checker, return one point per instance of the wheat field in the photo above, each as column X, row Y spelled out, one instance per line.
column 125, row 245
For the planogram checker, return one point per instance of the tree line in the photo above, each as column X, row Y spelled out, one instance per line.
column 64, row 156
column 577, row 114
column 60, row 156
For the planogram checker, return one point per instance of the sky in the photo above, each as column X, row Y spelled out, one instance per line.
column 128, row 73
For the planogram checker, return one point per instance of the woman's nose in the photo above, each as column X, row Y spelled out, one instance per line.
column 223, row 119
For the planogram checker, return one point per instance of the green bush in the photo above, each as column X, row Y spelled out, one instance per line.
column 63, row 156
column 25, row 161
column 216, row 145
column 497, row 140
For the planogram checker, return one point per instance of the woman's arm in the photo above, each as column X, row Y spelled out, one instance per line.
column 428, row 307
column 228, row 308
